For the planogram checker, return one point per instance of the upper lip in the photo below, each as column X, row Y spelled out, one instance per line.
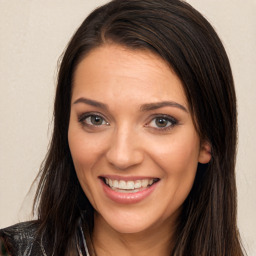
column 127, row 178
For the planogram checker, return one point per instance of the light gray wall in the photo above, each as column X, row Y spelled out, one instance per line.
column 33, row 35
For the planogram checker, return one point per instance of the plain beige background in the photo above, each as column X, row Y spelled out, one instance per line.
column 33, row 35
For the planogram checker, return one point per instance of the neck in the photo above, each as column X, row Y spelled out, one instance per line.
column 153, row 241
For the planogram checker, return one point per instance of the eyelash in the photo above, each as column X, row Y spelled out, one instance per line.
column 171, row 121
column 82, row 119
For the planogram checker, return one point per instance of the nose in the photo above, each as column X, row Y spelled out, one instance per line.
column 124, row 150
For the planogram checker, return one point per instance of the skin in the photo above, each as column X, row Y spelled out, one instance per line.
column 130, row 142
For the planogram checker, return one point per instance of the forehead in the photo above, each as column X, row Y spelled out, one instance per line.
column 113, row 70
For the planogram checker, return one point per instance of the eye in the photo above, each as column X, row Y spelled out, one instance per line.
column 162, row 122
column 92, row 120
column 95, row 120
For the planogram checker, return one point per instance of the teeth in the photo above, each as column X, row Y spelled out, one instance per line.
column 115, row 184
column 129, row 185
column 122, row 184
column 144, row 183
column 137, row 184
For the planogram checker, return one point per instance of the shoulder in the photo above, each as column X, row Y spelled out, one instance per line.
column 20, row 239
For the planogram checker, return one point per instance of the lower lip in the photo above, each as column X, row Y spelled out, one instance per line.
column 127, row 198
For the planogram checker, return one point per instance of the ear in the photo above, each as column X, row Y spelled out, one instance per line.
column 205, row 153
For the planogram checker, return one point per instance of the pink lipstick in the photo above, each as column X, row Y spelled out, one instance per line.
column 128, row 190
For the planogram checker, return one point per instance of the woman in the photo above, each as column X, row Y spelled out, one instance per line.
column 143, row 150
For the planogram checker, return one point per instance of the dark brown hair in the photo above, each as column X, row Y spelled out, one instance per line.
column 187, row 42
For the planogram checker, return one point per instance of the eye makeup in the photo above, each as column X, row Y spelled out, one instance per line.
column 162, row 122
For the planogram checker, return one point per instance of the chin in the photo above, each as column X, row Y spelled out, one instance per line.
column 129, row 226
column 128, row 221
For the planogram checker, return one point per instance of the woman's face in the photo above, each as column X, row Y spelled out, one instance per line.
column 132, row 139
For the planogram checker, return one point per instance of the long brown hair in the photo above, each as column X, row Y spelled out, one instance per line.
column 187, row 42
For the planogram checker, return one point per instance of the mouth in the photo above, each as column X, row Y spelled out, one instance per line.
column 129, row 186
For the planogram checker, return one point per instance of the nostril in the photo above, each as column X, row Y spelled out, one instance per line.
column 124, row 160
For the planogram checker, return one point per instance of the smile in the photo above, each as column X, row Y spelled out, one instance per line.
column 130, row 186
column 125, row 190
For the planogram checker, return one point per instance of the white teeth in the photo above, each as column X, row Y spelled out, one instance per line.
column 129, row 185
column 122, row 184
column 137, row 184
column 144, row 183
column 115, row 184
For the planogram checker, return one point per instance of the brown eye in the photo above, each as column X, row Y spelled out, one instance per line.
column 162, row 122
column 94, row 120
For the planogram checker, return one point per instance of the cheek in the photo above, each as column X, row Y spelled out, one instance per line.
column 177, row 155
column 83, row 157
column 84, row 149
column 178, row 160
column 85, row 152
column 79, row 155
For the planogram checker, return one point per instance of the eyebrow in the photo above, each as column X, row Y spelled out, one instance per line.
column 143, row 108
column 91, row 102
column 153, row 106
